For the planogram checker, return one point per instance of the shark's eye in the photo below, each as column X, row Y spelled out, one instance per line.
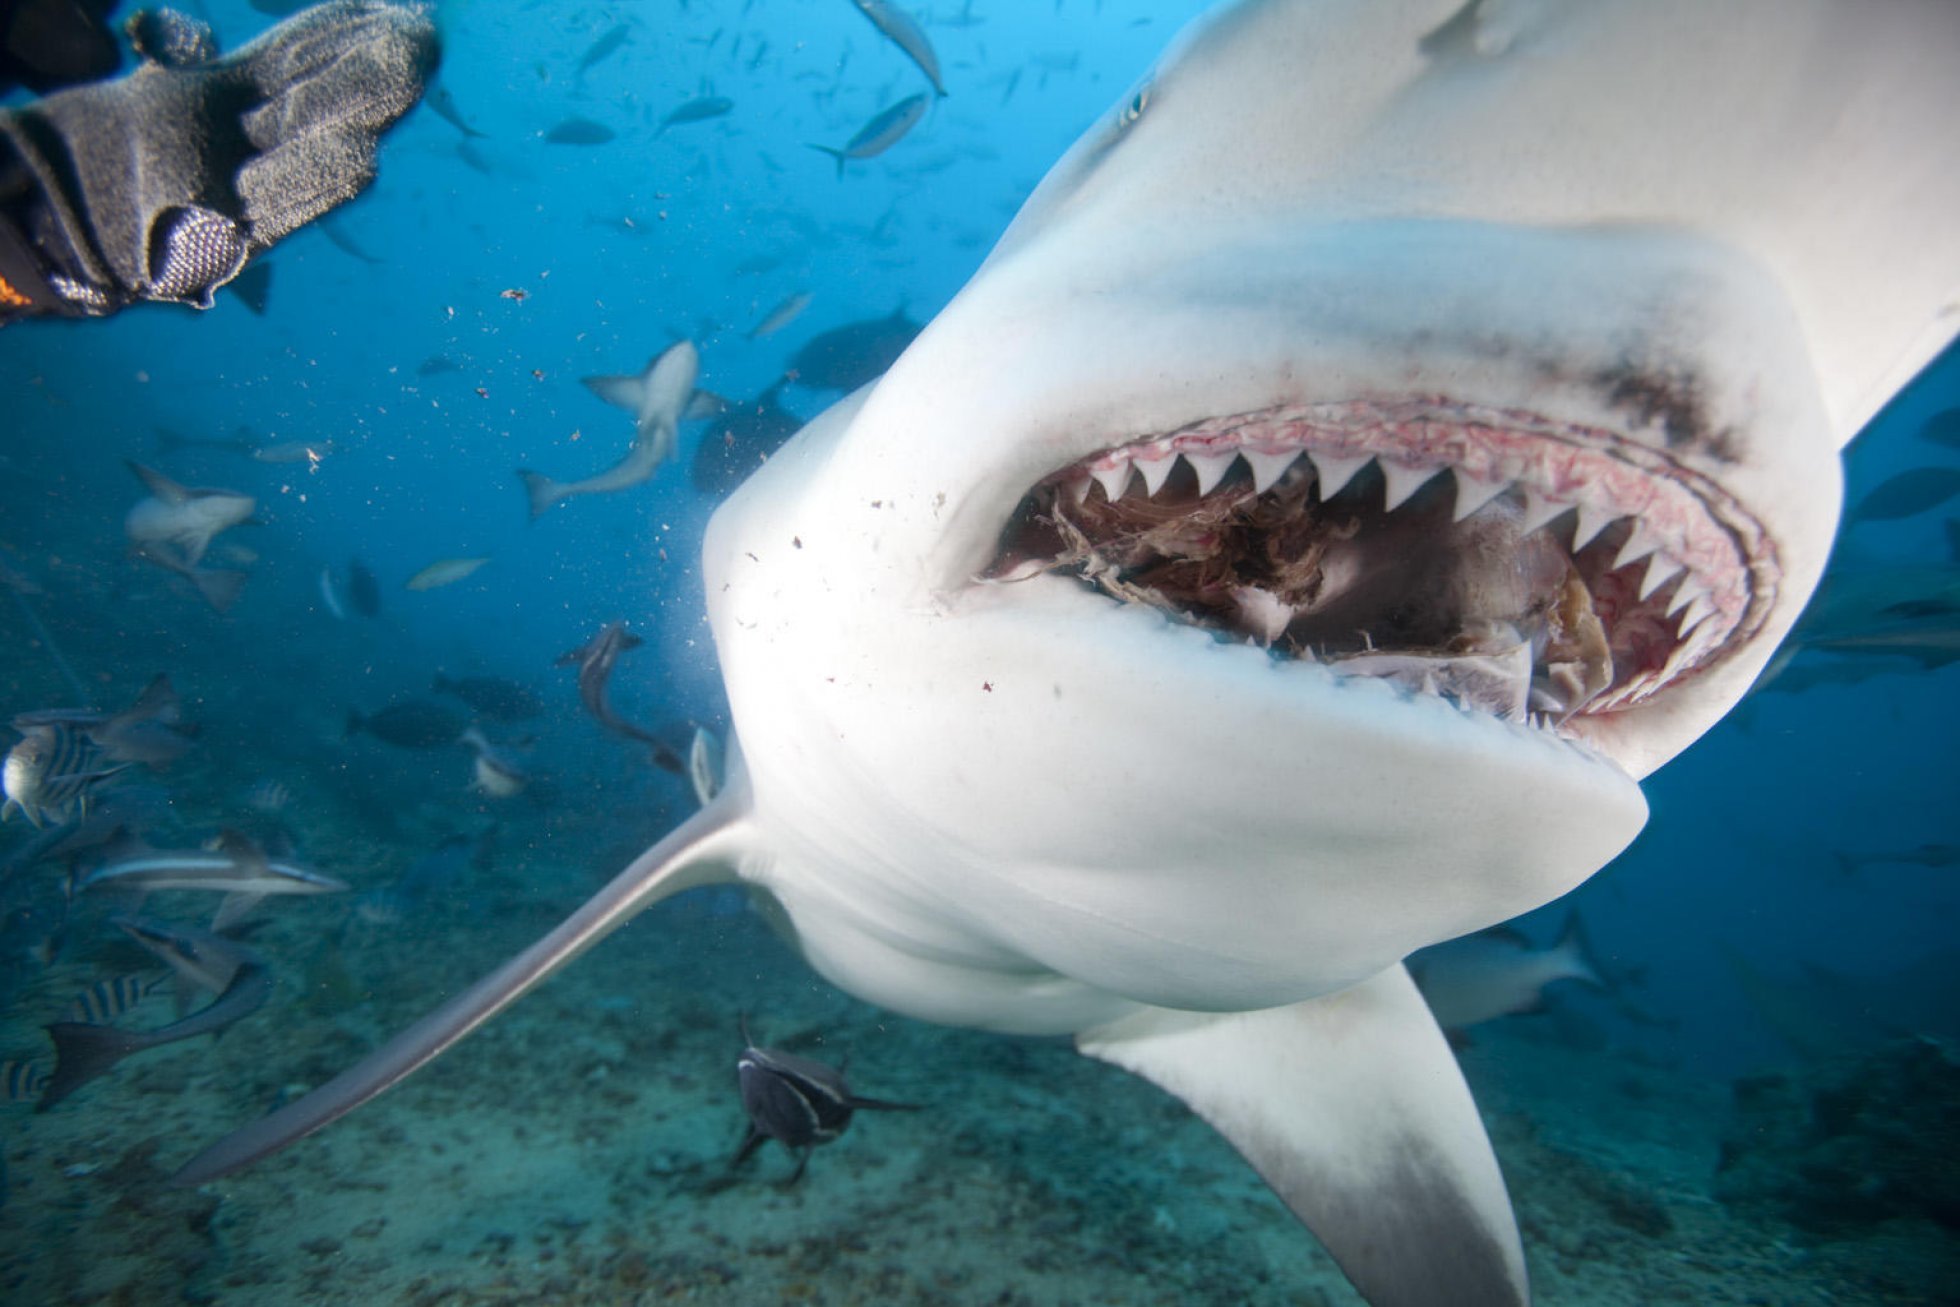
column 1134, row 109
column 1516, row 566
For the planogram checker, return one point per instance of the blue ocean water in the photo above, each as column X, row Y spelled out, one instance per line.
column 429, row 340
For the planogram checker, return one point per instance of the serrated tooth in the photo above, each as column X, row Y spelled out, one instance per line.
column 1078, row 490
column 1472, row 494
column 1538, row 510
column 1335, row 471
column 1659, row 571
column 1592, row 520
column 1403, row 480
column 1210, row 468
column 1267, row 468
column 1155, row 471
column 1684, row 594
column 1640, row 544
column 1113, row 480
column 1698, row 611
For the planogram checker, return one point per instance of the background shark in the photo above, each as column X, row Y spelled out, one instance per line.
column 1524, row 273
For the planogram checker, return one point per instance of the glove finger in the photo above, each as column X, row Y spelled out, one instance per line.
column 364, row 87
column 300, row 179
column 314, row 37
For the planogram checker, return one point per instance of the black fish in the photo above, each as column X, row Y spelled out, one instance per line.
column 740, row 439
column 580, row 131
column 603, row 48
column 435, row 365
column 491, row 696
column 796, row 1102
column 363, row 591
column 847, row 357
column 596, row 659
column 83, row 1051
column 410, row 724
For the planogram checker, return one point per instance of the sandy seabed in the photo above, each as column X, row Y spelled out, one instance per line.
column 577, row 1151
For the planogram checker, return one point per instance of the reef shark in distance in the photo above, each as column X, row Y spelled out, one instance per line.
column 1395, row 430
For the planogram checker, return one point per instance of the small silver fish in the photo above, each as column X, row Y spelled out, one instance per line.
column 446, row 571
column 886, row 129
column 904, row 32
column 781, row 316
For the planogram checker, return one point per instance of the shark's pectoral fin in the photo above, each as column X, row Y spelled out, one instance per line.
column 1353, row 1110
column 700, row 851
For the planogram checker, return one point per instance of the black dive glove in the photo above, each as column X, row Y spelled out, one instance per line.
column 161, row 184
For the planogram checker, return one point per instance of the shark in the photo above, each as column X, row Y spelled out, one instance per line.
column 660, row 397
column 1395, row 429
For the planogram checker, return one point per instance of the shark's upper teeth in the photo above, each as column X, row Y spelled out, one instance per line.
column 1337, row 470
column 1403, row 480
column 1678, row 527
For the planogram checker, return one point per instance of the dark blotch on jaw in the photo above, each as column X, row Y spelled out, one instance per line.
column 1672, row 401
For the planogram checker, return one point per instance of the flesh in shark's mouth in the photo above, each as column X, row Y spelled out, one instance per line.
column 1527, row 568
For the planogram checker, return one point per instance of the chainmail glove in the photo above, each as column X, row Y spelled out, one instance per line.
column 160, row 185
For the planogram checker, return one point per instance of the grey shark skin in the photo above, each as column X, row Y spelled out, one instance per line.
column 1570, row 255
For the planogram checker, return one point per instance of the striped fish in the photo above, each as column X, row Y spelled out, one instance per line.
column 50, row 771
column 22, row 1081
column 106, row 1000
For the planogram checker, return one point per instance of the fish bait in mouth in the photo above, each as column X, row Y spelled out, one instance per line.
column 1569, row 573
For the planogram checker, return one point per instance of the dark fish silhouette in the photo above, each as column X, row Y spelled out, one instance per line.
column 1943, row 428
column 847, row 357
column 334, row 232
column 740, row 439
column 796, row 1102
column 439, row 99
column 492, row 696
column 596, row 659
column 580, row 131
column 410, row 724
column 604, row 48
column 363, row 591
column 1919, row 490
column 254, row 287
column 698, row 110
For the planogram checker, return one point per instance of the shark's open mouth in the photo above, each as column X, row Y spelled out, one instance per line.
column 1532, row 569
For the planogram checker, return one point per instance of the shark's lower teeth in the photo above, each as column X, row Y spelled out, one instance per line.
column 1378, row 567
